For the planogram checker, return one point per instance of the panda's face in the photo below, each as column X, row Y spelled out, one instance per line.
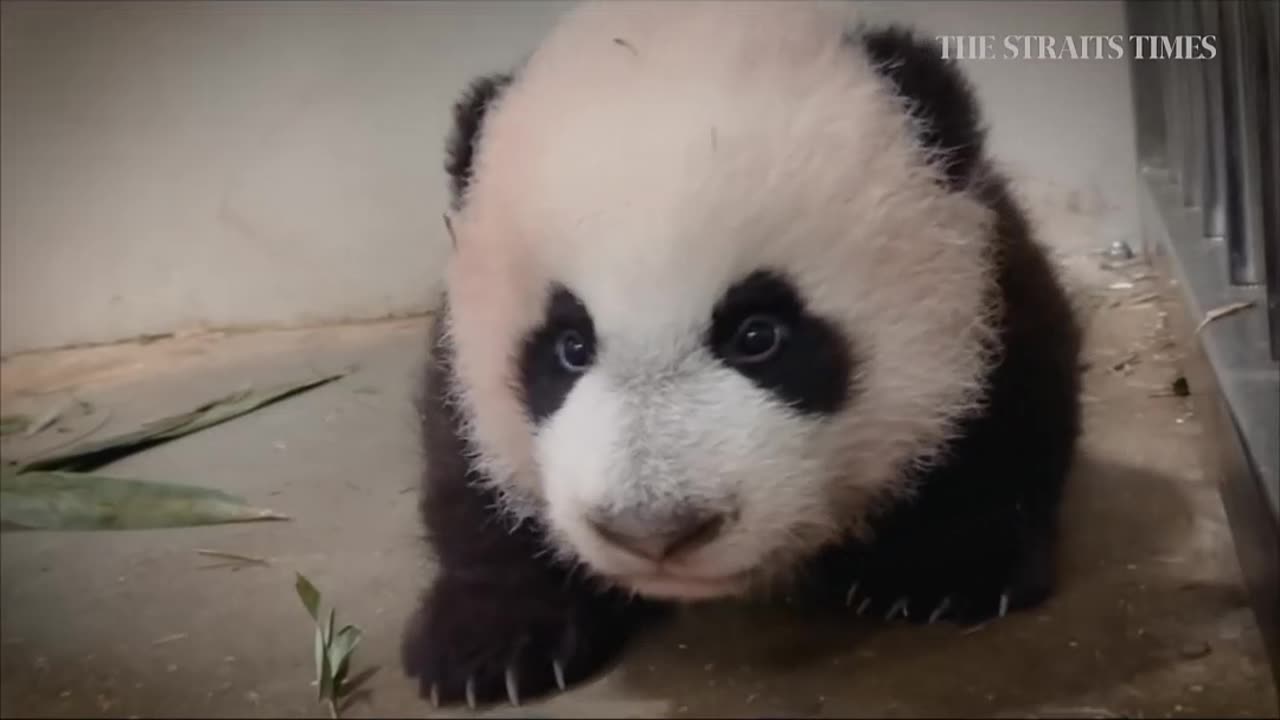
column 709, row 300
column 677, row 456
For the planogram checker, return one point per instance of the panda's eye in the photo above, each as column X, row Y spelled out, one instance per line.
column 757, row 339
column 573, row 351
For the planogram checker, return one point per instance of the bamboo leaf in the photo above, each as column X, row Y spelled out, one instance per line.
column 341, row 647
column 49, row 417
column 95, row 454
column 324, row 682
column 80, row 501
column 13, row 424
column 309, row 596
column 234, row 560
column 1221, row 312
column 349, row 636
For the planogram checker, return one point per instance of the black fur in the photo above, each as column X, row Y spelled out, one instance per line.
column 811, row 372
column 982, row 524
column 937, row 93
column 543, row 381
column 983, row 521
column 499, row 600
column 468, row 117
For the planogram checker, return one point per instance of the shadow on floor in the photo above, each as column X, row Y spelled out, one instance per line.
column 1115, row 617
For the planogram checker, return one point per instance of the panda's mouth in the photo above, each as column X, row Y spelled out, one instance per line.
column 670, row 586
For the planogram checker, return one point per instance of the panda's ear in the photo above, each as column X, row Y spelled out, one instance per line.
column 936, row 92
column 468, row 118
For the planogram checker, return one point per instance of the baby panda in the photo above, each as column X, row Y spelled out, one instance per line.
column 738, row 304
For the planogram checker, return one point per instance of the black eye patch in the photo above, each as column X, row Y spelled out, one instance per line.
column 761, row 328
column 556, row 353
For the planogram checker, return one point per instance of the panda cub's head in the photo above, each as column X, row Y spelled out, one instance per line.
column 718, row 286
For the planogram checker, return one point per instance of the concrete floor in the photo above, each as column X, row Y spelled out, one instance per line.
column 1150, row 621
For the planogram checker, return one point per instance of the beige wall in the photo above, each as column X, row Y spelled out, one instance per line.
column 166, row 166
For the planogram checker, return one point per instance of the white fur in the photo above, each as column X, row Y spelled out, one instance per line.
column 646, row 434
column 648, row 176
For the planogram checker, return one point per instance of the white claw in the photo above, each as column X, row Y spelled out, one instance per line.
column 1004, row 603
column 513, row 687
column 435, row 695
column 942, row 607
column 900, row 605
column 866, row 602
column 471, row 693
column 848, row 598
column 558, row 669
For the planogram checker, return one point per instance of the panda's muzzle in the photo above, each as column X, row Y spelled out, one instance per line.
column 658, row 538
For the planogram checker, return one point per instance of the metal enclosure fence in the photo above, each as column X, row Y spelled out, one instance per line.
column 1213, row 126
column 1208, row 142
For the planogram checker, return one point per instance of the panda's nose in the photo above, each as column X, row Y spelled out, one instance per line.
column 658, row 538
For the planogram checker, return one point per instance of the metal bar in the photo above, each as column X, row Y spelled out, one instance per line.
column 1148, row 95
column 1242, row 32
column 1175, row 133
column 1213, row 197
column 1191, row 75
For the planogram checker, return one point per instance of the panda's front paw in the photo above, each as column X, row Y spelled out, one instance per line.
column 484, row 642
column 962, row 593
column 964, row 605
